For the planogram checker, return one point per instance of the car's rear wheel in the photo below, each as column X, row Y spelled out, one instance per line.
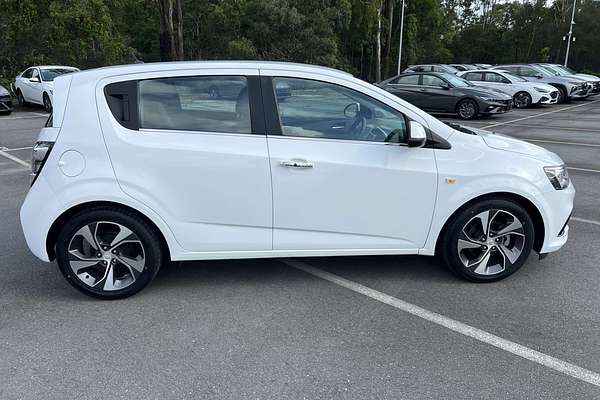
column 522, row 100
column 488, row 240
column 108, row 253
column 47, row 103
column 467, row 109
column 21, row 99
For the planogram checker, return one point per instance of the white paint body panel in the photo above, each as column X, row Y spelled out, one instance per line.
column 216, row 196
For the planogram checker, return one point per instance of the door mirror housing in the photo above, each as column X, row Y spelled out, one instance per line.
column 445, row 86
column 34, row 79
column 417, row 135
column 539, row 76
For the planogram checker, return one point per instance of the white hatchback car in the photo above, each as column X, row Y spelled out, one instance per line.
column 523, row 92
column 140, row 164
column 36, row 84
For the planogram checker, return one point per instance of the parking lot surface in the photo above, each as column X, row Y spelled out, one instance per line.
column 266, row 329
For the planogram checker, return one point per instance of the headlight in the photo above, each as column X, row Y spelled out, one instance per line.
column 558, row 175
column 542, row 90
column 488, row 99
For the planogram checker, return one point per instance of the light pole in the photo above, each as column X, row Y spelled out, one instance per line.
column 401, row 30
column 570, row 32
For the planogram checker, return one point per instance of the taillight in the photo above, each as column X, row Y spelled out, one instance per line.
column 39, row 155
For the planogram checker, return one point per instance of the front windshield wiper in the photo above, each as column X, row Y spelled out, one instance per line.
column 460, row 128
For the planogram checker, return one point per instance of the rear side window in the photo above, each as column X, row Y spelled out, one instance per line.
column 28, row 73
column 407, row 80
column 493, row 77
column 474, row 76
column 200, row 103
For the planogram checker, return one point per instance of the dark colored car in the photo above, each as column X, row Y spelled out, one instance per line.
column 447, row 93
column 432, row 68
column 6, row 105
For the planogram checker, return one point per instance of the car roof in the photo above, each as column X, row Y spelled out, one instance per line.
column 183, row 65
column 52, row 66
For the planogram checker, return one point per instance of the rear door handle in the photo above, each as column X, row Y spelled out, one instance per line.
column 296, row 164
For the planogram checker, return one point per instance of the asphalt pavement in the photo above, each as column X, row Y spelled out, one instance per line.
column 316, row 328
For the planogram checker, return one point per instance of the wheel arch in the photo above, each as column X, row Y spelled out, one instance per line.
column 58, row 223
column 539, row 229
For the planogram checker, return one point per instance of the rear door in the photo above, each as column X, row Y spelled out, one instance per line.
column 192, row 147
column 436, row 96
column 337, row 184
column 406, row 87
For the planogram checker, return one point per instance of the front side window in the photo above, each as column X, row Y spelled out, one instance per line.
column 327, row 111
column 198, row 103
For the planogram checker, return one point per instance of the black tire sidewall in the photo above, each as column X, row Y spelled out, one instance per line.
column 450, row 240
column 529, row 100
column 149, row 239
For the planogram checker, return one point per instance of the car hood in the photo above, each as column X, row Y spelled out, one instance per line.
column 485, row 92
column 586, row 77
column 507, row 143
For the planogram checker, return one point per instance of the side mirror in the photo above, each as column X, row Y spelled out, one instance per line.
column 352, row 110
column 539, row 76
column 34, row 79
column 445, row 86
column 417, row 136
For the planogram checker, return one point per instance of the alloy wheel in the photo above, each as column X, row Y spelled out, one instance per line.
column 466, row 110
column 106, row 255
column 522, row 100
column 491, row 242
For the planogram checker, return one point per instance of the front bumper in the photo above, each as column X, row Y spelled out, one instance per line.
column 495, row 107
column 6, row 104
column 559, row 205
column 548, row 98
column 580, row 92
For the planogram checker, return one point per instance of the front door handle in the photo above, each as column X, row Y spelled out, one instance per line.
column 296, row 164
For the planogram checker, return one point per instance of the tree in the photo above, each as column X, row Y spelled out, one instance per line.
column 171, row 30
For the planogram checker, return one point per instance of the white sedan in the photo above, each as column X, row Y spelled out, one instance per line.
column 523, row 92
column 36, row 84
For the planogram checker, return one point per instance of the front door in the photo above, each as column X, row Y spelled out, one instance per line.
column 343, row 177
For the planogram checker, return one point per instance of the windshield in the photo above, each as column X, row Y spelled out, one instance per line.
column 50, row 73
column 547, row 71
column 457, row 81
column 564, row 70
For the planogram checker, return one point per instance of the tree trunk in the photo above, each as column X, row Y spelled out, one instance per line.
column 389, row 34
column 378, row 48
column 171, row 30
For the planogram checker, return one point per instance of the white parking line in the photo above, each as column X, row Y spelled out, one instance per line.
column 15, row 149
column 554, row 363
column 35, row 115
column 584, row 169
column 558, row 128
column 587, row 221
column 559, row 142
column 15, row 159
column 539, row 115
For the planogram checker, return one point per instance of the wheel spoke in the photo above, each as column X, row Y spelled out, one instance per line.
column 511, row 254
column 109, row 279
column 481, row 263
column 123, row 234
column 86, row 233
column 467, row 244
column 484, row 217
column 511, row 228
column 132, row 263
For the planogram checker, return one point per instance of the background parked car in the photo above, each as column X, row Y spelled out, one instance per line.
column 568, row 87
column 560, row 70
column 463, row 67
column 6, row 105
column 523, row 92
column 432, row 68
column 446, row 93
column 36, row 84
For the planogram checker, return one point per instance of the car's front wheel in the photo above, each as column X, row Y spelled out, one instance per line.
column 108, row 252
column 467, row 109
column 488, row 240
column 522, row 100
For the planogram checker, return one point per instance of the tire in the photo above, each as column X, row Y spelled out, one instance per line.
column 473, row 254
column 562, row 95
column 467, row 109
column 522, row 100
column 105, row 272
column 20, row 98
column 47, row 102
